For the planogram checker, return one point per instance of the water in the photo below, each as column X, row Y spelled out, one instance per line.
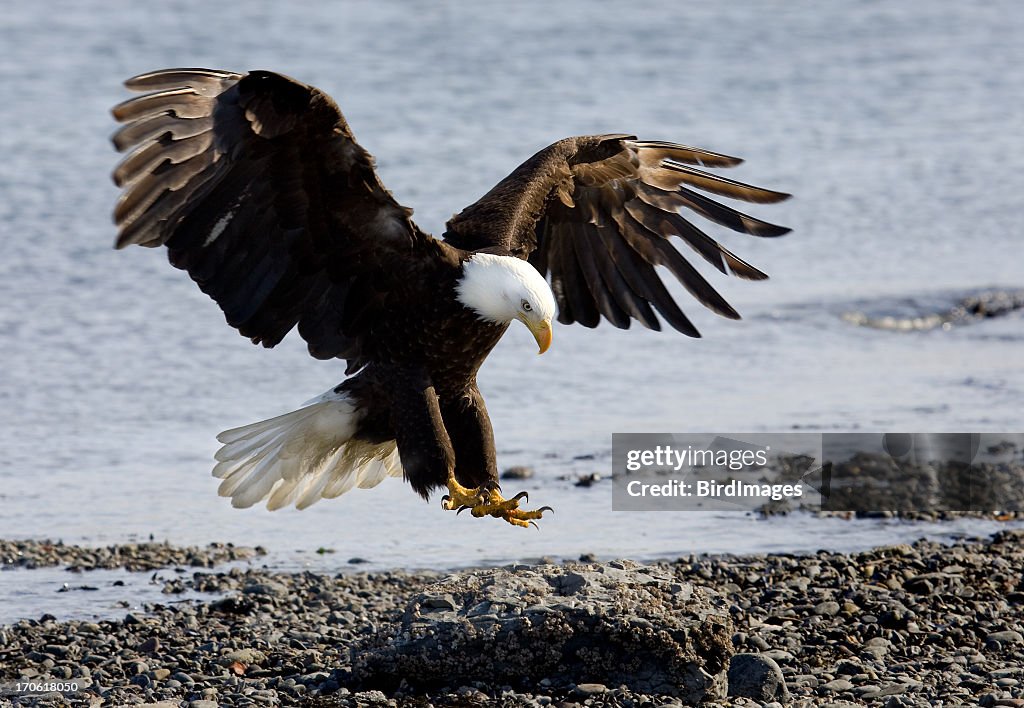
column 897, row 127
column 95, row 594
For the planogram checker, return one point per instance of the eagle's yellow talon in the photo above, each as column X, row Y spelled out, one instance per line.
column 486, row 501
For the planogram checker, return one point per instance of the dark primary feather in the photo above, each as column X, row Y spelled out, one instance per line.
column 258, row 189
column 598, row 212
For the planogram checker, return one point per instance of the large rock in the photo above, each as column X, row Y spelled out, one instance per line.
column 613, row 624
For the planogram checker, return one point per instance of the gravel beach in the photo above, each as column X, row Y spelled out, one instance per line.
column 926, row 624
column 134, row 556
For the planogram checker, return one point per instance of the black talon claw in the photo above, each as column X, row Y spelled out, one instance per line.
column 521, row 495
column 534, row 525
column 444, row 501
column 462, row 509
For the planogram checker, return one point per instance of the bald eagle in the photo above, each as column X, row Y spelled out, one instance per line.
column 257, row 187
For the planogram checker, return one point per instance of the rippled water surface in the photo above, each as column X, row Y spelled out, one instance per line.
column 897, row 127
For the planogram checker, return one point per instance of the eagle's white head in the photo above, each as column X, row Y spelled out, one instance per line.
column 502, row 288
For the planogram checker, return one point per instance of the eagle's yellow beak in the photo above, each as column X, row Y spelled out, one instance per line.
column 542, row 333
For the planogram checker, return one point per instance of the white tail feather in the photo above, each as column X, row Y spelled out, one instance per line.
column 302, row 456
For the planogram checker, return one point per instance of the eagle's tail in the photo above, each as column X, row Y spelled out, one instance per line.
column 302, row 456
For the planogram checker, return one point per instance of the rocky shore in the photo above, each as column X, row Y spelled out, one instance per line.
column 132, row 556
column 919, row 625
column 972, row 308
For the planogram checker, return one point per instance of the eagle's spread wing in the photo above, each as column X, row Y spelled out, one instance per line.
column 258, row 189
column 598, row 213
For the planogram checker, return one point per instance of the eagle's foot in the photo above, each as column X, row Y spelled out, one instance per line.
column 486, row 500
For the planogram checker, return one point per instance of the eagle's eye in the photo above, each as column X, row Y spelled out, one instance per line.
column 526, row 306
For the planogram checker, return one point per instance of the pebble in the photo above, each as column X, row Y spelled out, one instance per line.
column 829, row 608
column 779, row 656
column 756, row 676
column 1006, row 637
column 519, row 472
column 838, row 686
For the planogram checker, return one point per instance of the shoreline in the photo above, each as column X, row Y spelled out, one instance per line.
column 899, row 625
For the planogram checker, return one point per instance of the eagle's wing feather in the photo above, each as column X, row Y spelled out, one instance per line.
column 258, row 189
column 598, row 212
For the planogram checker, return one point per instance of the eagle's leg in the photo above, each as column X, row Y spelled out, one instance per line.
column 486, row 500
column 473, row 483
